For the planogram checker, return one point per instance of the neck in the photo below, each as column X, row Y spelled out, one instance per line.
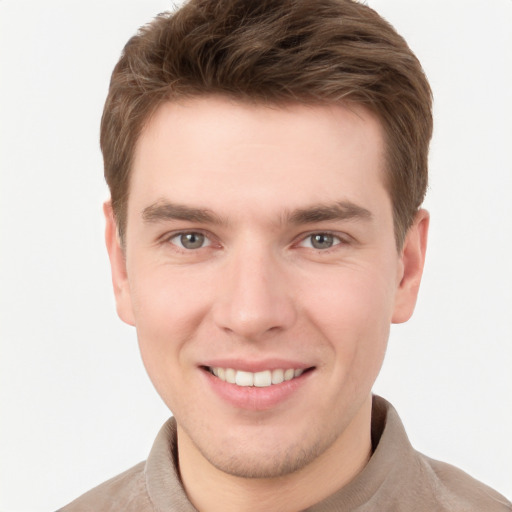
column 212, row 490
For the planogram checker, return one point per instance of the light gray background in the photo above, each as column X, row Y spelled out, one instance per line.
column 76, row 405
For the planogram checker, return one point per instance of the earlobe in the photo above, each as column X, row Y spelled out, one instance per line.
column 118, row 266
column 412, row 262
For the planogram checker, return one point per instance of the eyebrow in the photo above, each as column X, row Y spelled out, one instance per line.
column 164, row 210
column 342, row 210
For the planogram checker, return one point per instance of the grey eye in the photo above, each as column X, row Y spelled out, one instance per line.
column 190, row 240
column 322, row 240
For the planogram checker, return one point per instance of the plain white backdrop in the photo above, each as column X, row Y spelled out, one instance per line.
column 76, row 404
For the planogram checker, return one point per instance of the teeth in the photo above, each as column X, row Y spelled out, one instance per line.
column 244, row 378
column 263, row 379
column 277, row 376
column 230, row 375
column 289, row 374
column 259, row 379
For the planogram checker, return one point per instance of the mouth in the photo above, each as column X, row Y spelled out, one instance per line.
column 261, row 379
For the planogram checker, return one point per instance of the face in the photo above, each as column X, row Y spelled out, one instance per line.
column 261, row 273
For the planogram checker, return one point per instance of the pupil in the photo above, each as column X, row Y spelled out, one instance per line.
column 322, row 241
column 192, row 240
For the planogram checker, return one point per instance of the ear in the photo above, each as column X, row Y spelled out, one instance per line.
column 118, row 267
column 412, row 259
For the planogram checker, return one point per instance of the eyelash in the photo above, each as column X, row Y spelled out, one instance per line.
column 339, row 240
column 169, row 239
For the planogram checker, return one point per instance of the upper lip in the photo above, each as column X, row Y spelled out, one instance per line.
column 256, row 366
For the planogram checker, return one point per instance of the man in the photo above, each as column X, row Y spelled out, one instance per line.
column 267, row 163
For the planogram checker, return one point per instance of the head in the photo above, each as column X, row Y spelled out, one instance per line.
column 266, row 159
column 274, row 53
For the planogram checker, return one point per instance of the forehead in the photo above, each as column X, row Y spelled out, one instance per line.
column 218, row 153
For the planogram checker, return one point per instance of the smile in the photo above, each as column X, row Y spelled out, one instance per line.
column 261, row 379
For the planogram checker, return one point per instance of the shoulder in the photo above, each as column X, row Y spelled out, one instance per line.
column 456, row 490
column 409, row 480
column 125, row 492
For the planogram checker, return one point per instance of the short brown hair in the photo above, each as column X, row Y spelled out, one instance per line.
column 274, row 52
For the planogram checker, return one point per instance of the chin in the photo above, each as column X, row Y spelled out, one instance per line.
column 263, row 459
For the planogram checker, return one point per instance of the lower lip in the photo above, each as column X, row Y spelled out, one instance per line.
column 255, row 398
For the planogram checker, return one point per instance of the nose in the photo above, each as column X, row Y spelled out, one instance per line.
column 254, row 296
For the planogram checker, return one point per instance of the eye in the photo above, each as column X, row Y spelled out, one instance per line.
column 190, row 241
column 321, row 241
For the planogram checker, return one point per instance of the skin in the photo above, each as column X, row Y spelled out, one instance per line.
column 259, row 291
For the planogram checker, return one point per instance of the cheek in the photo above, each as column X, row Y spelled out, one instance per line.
column 353, row 312
column 168, row 310
column 168, row 302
